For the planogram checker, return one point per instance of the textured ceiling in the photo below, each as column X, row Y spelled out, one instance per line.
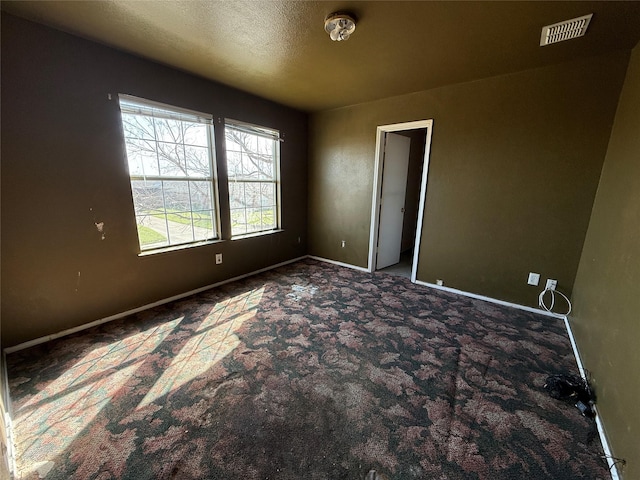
column 279, row 50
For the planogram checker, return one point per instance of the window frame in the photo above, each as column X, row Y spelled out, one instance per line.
column 137, row 106
column 264, row 132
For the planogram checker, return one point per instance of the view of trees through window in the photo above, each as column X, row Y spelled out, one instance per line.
column 170, row 165
column 170, row 157
column 252, row 165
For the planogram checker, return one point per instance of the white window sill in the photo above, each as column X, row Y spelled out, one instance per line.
column 176, row 248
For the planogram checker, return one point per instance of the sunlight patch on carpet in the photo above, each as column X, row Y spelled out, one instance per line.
column 50, row 420
column 214, row 340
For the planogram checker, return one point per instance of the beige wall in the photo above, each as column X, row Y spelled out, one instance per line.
column 63, row 168
column 606, row 294
column 515, row 162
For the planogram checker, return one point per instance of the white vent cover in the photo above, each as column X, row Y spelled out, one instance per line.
column 559, row 32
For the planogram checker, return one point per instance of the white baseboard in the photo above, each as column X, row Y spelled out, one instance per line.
column 341, row 264
column 613, row 468
column 37, row 341
column 486, row 299
column 7, row 415
column 117, row 316
column 601, row 432
column 85, row 326
column 446, row 289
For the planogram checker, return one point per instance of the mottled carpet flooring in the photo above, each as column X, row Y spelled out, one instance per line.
column 308, row 371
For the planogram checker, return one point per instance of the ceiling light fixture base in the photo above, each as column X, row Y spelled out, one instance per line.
column 340, row 26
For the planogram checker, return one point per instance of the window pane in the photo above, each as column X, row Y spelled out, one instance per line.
column 254, row 221
column 171, row 159
column 232, row 144
column 147, row 196
column 142, row 158
column 234, row 164
column 203, row 224
column 269, row 218
column 238, row 221
column 268, row 203
column 252, row 194
column 246, row 141
column 265, row 145
column 267, row 169
column 267, row 194
column 195, row 134
column 249, row 156
column 135, row 163
column 138, row 126
column 168, row 130
column 176, row 196
column 180, row 227
column 253, row 207
column 201, row 195
column 197, row 161
column 152, row 231
column 236, row 195
column 256, row 166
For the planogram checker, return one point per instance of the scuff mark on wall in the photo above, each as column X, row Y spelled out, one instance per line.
column 100, row 227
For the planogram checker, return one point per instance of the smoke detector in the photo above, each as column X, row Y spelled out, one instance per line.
column 559, row 32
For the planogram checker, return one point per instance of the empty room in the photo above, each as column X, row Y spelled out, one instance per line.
column 372, row 240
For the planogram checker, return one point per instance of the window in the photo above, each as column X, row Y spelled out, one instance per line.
column 170, row 157
column 253, row 166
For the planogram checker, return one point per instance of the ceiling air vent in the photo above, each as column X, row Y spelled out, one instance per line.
column 559, row 32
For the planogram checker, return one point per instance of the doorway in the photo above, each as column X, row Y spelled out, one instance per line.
column 396, row 227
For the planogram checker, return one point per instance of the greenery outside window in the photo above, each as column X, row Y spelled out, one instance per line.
column 172, row 171
column 253, row 166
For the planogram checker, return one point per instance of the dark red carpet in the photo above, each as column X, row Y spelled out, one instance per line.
column 310, row 371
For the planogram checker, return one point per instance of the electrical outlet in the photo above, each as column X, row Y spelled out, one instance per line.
column 218, row 258
column 551, row 284
column 534, row 278
column 344, row 243
column 439, row 282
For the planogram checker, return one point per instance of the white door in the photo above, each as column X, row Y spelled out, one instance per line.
column 394, row 187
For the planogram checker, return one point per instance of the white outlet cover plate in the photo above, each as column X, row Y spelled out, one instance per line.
column 534, row 278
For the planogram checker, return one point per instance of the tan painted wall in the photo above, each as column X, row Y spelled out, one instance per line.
column 606, row 294
column 63, row 168
column 515, row 162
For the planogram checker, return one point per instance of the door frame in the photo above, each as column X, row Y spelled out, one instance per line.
column 377, row 189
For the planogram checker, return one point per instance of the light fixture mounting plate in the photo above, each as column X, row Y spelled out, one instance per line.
column 340, row 25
